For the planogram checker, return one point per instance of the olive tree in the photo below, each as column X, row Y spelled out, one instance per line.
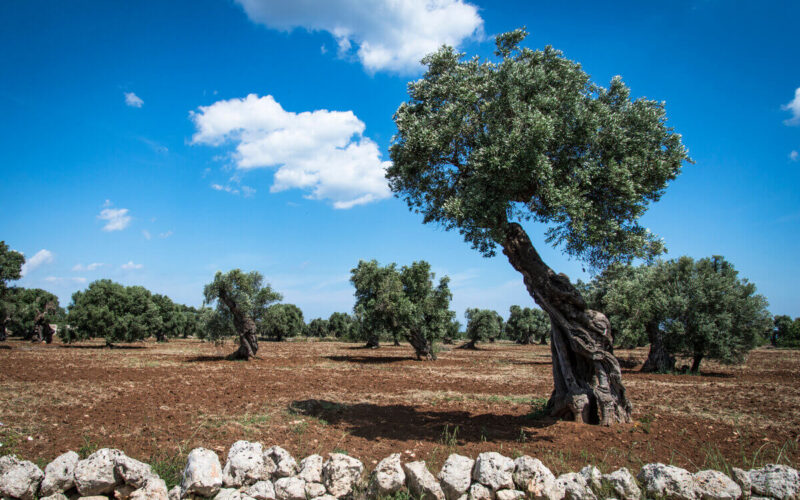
column 241, row 300
column 317, row 327
column 786, row 333
column 112, row 311
column 527, row 325
column 482, row 325
column 11, row 263
column 482, row 147
column 342, row 325
column 402, row 303
column 280, row 321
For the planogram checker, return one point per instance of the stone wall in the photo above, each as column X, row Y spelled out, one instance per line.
column 254, row 473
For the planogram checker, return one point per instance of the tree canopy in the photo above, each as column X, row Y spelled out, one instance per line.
column 786, row 333
column 482, row 146
column 242, row 300
column 11, row 263
column 402, row 303
column 280, row 321
column 526, row 325
column 482, row 325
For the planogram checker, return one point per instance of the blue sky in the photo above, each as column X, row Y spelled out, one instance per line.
column 130, row 150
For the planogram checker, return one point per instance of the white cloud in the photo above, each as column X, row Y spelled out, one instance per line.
column 118, row 218
column 165, row 235
column 323, row 152
column 146, row 234
column 227, row 189
column 794, row 107
column 89, row 267
column 384, row 34
column 130, row 265
column 57, row 279
column 133, row 100
column 39, row 258
column 794, row 156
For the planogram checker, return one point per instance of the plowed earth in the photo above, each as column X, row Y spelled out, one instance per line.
column 154, row 400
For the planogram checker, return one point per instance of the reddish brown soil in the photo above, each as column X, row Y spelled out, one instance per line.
column 316, row 397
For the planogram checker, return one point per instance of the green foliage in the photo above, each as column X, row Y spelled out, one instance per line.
column 527, row 325
column 703, row 308
column 21, row 306
column 786, row 333
column 112, row 311
column 235, row 290
column 401, row 302
column 11, row 263
column 317, row 328
column 342, row 326
column 281, row 321
column 530, row 137
column 482, row 325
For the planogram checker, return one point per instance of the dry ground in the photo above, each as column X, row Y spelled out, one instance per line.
column 156, row 400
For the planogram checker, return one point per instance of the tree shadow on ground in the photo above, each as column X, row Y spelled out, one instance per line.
column 368, row 360
column 7, row 347
column 405, row 422
column 210, row 359
column 114, row 347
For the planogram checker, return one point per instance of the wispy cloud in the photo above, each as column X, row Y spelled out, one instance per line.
column 133, row 100
column 146, row 234
column 794, row 108
column 116, row 219
column 130, row 266
column 794, row 156
column 58, row 279
column 88, row 267
column 39, row 259
column 165, row 235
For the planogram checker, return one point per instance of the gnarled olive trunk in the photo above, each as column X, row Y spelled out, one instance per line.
column 658, row 359
column 423, row 348
column 469, row 345
column 526, row 339
column 696, row 359
column 587, row 376
column 245, row 326
column 373, row 342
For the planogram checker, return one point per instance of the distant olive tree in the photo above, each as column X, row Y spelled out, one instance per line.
column 482, row 325
column 241, row 301
column 281, row 321
column 10, row 270
column 402, row 303
column 526, row 325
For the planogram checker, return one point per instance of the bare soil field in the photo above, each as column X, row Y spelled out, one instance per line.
column 158, row 401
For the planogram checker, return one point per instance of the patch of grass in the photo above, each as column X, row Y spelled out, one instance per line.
column 539, row 409
column 645, row 421
column 168, row 467
column 449, row 438
column 9, row 439
column 88, row 447
column 403, row 494
column 257, row 419
column 340, row 450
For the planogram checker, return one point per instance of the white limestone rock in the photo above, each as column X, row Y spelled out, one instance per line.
column 245, row 465
column 775, row 481
column 714, row 485
column 203, row 473
column 456, row 476
column 622, row 482
column 59, row 475
column 95, row 475
column 668, row 482
column 285, row 464
column 340, row 473
column 536, row 480
column 494, row 471
column 19, row 478
column 290, row 488
column 261, row 490
column 421, row 483
column 576, row 487
column 388, row 477
column 311, row 469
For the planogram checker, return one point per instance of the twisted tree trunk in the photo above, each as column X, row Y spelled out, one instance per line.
column 245, row 326
column 422, row 346
column 658, row 359
column 373, row 342
column 587, row 377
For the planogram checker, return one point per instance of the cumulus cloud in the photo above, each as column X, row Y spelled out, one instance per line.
column 322, row 152
column 88, row 267
column 133, row 100
column 130, row 265
column 39, row 258
column 116, row 219
column 794, row 108
column 384, row 34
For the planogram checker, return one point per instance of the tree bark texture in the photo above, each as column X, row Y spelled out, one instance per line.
column 422, row 346
column 245, row 326
column 587, row 377
column 658, row 359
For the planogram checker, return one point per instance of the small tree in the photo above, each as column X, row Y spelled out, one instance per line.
column 342, row 325
column 482, row 325
column 281, row 321
column 786, row 333
column 109, row 310
column 318, row 327
column 527, row 325
column 10, row 270
column 483, row 146
column 241, row 300
column 402, row 303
